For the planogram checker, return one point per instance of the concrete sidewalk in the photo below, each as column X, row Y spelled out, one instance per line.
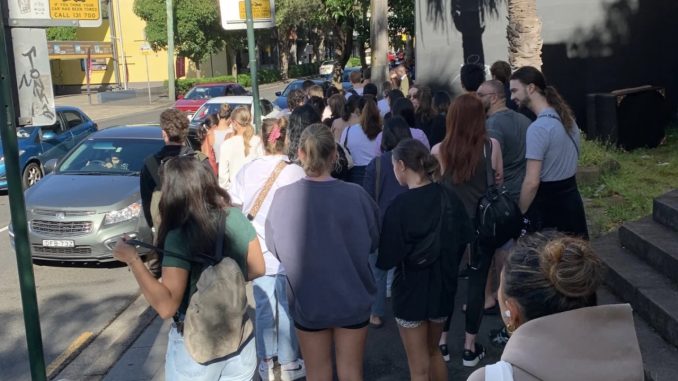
column 385, row 358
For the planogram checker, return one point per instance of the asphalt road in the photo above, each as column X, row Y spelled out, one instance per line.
column 71, row 301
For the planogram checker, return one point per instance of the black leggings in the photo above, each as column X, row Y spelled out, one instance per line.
column 481, row 260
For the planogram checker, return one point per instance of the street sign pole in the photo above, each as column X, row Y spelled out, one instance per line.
column 170, row 50
column 251, row 48
column 17, row 204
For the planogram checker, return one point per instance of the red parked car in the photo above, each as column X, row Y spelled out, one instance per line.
column 199, row 94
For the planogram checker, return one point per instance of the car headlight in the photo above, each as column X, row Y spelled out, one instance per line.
column 21, row 152
column 2, row 159
column 122, row 215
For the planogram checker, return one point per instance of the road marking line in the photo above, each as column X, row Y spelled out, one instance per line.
column 69, row 354
column 5, row 228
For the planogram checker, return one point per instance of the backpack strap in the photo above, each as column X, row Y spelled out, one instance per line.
column 348, row 129
column 489, row 171
column 377, row 187
column 264, row 191
column 576, row 147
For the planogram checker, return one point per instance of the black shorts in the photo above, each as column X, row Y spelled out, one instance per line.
column 354, row 326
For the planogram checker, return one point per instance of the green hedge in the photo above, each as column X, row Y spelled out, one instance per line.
column 265, row 76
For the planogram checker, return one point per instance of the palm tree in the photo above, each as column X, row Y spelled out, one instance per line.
column 524, row 34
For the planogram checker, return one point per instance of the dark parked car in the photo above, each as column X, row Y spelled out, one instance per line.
column 281, row 100
column 38, row 144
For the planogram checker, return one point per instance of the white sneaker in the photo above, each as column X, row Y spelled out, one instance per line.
column 266, row 370
column 292, row 371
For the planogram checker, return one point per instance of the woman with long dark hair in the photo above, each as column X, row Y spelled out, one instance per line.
column 360, row 139
column 382, row 185
column 191, row 209
column 463, row 155
column 350, row 116
column 549, row 196
column 403, row 107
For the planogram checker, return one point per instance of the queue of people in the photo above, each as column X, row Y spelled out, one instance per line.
column 350, row 198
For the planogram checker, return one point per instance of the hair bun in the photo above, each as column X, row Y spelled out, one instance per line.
column 571, row 267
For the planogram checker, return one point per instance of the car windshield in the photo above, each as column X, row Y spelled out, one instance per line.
column 211, row 108
column 206, row 92
column 109, row 156
column 297, row 85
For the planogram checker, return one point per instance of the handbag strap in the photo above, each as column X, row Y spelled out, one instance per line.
column 264, row 192
column 348, row 129
column 377, row 186
column 576, row 147
column 489, row 171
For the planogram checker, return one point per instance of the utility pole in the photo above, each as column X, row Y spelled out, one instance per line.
column 118, row 18
column 17, row 204
column 251, row 48
column 379, row 41
column 170, row 50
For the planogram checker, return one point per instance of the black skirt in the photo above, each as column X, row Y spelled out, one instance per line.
column 558, row 205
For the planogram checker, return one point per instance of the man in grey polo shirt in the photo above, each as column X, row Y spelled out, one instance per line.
column 509, row 128
column 549, row 195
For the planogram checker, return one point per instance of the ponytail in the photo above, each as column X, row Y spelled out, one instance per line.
column 562, row 108
column 417, row 157
column 243, row 118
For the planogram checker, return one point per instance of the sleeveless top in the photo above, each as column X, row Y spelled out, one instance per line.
column 219, row 136
column 470, row 192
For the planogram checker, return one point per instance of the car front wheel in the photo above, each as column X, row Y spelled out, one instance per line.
column 32, row 174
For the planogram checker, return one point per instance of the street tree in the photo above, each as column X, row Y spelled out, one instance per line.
column 524, row 34
column 197, row 26
column 291, row 16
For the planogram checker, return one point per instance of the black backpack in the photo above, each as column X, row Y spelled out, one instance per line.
column 498, row 217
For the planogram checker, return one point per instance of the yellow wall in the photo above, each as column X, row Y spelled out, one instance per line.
column 69, row 72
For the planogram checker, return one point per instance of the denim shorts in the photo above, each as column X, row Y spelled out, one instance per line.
column 180, row 366
column 416, row 323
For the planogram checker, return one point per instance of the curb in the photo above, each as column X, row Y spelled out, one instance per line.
column 94, row 361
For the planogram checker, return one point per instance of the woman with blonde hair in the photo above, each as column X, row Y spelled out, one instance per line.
column 254, row 187
column 547, row 297
column 331, row 288
column 241, row 148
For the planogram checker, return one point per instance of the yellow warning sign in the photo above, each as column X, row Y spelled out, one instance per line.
column 74, row 9
column 261, row 9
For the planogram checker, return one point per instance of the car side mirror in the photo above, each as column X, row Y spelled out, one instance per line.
column 50, row 165
column 278, row 93
column 49, row 136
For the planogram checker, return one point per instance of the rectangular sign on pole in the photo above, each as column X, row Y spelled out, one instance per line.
column 46, row 13
column 33, row 76
column 233, row 15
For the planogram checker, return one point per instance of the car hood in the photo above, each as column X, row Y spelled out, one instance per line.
column 99, row 193
column 189, row 103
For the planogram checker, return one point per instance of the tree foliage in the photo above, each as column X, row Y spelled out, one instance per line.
column 62, row 33
column 197, row 26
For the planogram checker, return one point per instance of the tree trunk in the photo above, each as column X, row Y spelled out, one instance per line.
column 231, row 61
column 361, row 52
column 524, row 34
column 343, row 47
column 379, row 42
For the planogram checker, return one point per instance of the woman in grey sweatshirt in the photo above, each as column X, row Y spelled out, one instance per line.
column 323, row 231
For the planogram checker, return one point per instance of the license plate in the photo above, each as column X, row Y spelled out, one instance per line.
column 58, row 243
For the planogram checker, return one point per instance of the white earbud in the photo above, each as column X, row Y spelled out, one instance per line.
column 507, row 313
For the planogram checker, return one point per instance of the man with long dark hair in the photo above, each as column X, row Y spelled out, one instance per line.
column 549, row 195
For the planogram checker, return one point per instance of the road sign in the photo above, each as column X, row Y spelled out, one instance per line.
column 233, row 15
column 46, row 13
column 146, row 48
column 33, row 77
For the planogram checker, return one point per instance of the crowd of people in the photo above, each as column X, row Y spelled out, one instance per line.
column 351, row 197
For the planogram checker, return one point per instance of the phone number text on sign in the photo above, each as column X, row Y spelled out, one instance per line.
column 261, row 9
column 74, row 10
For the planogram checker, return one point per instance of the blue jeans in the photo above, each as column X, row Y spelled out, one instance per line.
column 380, row 279
column 270, row 296
column 180, row 366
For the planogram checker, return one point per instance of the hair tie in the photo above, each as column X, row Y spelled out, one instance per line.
column 275, row 134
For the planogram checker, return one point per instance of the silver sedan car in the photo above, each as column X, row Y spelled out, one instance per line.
column 77, row 213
